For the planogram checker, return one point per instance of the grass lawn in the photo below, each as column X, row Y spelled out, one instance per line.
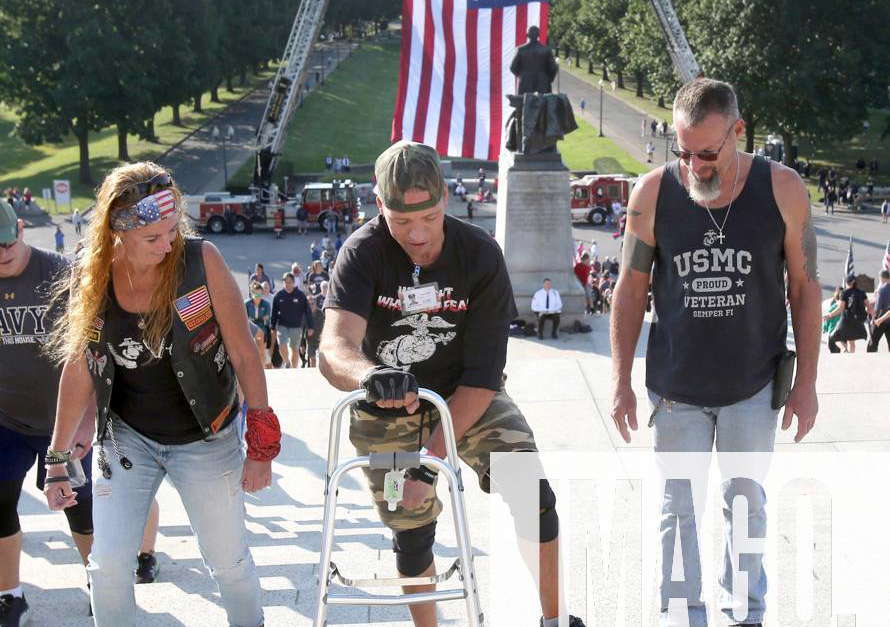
column 350, row 114
column 584, row 150
column 23, row 166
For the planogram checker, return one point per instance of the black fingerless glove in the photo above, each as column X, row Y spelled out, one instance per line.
column 383, row 383
column 422, row 473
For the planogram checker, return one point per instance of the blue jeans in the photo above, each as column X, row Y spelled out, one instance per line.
column 746, row 426
column 207, row 475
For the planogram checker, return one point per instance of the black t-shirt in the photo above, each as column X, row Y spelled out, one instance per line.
column 314, row 280
column 854, row 299
column 464, row 341
column 29, row 382
column 146, row 394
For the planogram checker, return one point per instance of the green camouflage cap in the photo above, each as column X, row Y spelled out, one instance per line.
column 9, row 223
column 408, row 165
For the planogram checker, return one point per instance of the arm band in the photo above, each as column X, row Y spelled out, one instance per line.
column 263, row 435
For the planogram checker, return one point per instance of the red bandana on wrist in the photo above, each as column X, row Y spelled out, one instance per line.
column 263, row 434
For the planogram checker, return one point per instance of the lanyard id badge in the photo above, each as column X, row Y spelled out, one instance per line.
column 419, row 298
column 393, row 487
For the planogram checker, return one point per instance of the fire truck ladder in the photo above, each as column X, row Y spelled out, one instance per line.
column 286, row 89
column 681, row 54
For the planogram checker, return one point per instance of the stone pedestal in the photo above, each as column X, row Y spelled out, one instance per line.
column 534, row 229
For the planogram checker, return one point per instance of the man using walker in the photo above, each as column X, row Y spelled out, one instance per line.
column 421, row 298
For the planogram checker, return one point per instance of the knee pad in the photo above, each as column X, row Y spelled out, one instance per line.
column 80, row 517
column 414, row 549
column 549, row 518
column 9, row 500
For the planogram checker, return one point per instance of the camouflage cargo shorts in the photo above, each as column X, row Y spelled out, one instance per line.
column 501, row 429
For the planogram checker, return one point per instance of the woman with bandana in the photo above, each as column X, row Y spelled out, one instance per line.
column 156, row 333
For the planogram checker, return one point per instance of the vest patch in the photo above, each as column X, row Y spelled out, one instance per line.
column 194, row 308
column 205, row 339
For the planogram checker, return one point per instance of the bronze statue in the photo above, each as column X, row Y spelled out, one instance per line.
column 534, row 65
column 539, row 118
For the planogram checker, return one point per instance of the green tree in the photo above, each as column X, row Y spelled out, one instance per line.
column 645, row 51
column 801, row 69
column 55, row 70
column 564, row 30
column 600, row 24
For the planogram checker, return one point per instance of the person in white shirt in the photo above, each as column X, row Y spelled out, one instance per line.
column 547, row 304
column 77, row 220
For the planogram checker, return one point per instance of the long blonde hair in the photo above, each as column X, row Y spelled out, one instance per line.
column 86, row 286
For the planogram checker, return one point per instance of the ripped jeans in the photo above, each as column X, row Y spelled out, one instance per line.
column 207, row 476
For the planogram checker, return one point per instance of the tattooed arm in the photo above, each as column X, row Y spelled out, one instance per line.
column 804, row 294
column 630, row 295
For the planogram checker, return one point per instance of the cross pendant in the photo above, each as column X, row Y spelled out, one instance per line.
column 721, row 237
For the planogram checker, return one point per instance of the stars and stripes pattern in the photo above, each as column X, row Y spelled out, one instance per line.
column 156, row 207
column 848, row 266
column 886, row 264
column 194, row 308
column 455, row 74
column 147, row 211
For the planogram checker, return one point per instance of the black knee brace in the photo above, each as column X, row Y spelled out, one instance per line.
column 549, row 517
column 9, row 500
column 80, row 517
column 414, row 549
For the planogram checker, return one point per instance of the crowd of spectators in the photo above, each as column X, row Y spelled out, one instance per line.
column 338, row 164
column 19, row 200
column 598, row 277
column 287, row 323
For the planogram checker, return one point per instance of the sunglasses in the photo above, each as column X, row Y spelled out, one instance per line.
column 704, row 155
column 144, row 188
column 8, row 246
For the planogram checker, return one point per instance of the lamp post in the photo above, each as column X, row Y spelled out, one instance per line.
column 601, row 107
column 230, row 132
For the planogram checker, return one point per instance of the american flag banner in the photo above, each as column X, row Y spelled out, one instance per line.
column 848, row 266
column 455, row 71
column 886, row 264
column 194, row 308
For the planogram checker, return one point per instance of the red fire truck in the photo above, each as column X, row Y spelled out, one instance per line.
column 592, row 196
column 223, row 213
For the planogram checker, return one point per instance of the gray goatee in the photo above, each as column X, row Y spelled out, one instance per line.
column 704, row 191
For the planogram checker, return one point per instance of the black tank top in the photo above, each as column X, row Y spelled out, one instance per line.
column 721, row 323
column 146, row 394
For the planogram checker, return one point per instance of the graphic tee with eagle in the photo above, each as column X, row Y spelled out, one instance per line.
column 462, row 341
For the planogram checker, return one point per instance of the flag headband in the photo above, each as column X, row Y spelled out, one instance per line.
column 149, row 210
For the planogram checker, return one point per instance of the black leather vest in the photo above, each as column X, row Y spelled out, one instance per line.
column 198, row 354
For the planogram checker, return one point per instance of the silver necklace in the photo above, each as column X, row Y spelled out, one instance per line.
column 720, row 237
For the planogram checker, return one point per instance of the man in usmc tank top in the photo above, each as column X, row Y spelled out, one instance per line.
column 716, row 229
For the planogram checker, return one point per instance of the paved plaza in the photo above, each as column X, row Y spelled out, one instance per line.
column 563, row 389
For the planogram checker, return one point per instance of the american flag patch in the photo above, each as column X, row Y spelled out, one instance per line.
column 194, row 308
